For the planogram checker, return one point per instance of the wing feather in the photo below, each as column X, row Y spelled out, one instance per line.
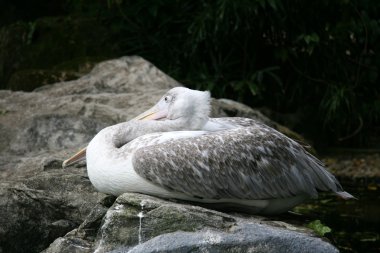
column 252, row 161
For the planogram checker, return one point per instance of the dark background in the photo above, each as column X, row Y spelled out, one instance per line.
column 311, row 65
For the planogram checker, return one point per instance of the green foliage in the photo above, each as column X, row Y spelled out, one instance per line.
column 319, row 228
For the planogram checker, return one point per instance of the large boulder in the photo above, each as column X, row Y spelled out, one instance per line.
column 40, row 201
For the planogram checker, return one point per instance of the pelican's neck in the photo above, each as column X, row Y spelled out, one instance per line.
column 127, row 131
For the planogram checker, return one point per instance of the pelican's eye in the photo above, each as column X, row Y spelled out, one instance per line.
column 167, row 99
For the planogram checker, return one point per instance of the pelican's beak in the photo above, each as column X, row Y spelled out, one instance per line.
column 154, row 113
column 75, row 158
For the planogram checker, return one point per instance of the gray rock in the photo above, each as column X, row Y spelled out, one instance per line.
column 40, row 201
column 141, row 224
column 36, row 210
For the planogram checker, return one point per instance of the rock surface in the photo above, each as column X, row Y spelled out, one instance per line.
column 40, row 201
column 142, row 224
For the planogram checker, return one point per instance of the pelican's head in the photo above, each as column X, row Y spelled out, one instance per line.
column 192, row 107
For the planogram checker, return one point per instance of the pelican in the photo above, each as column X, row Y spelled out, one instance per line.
column 175, row 151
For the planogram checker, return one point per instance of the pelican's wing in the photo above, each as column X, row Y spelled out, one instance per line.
column 254, row 162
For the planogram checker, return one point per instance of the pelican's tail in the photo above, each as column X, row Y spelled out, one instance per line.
column 345, row 195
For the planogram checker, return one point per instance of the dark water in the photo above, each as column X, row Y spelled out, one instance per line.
column 355, row 224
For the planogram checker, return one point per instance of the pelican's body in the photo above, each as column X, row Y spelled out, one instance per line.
column 228, row 161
